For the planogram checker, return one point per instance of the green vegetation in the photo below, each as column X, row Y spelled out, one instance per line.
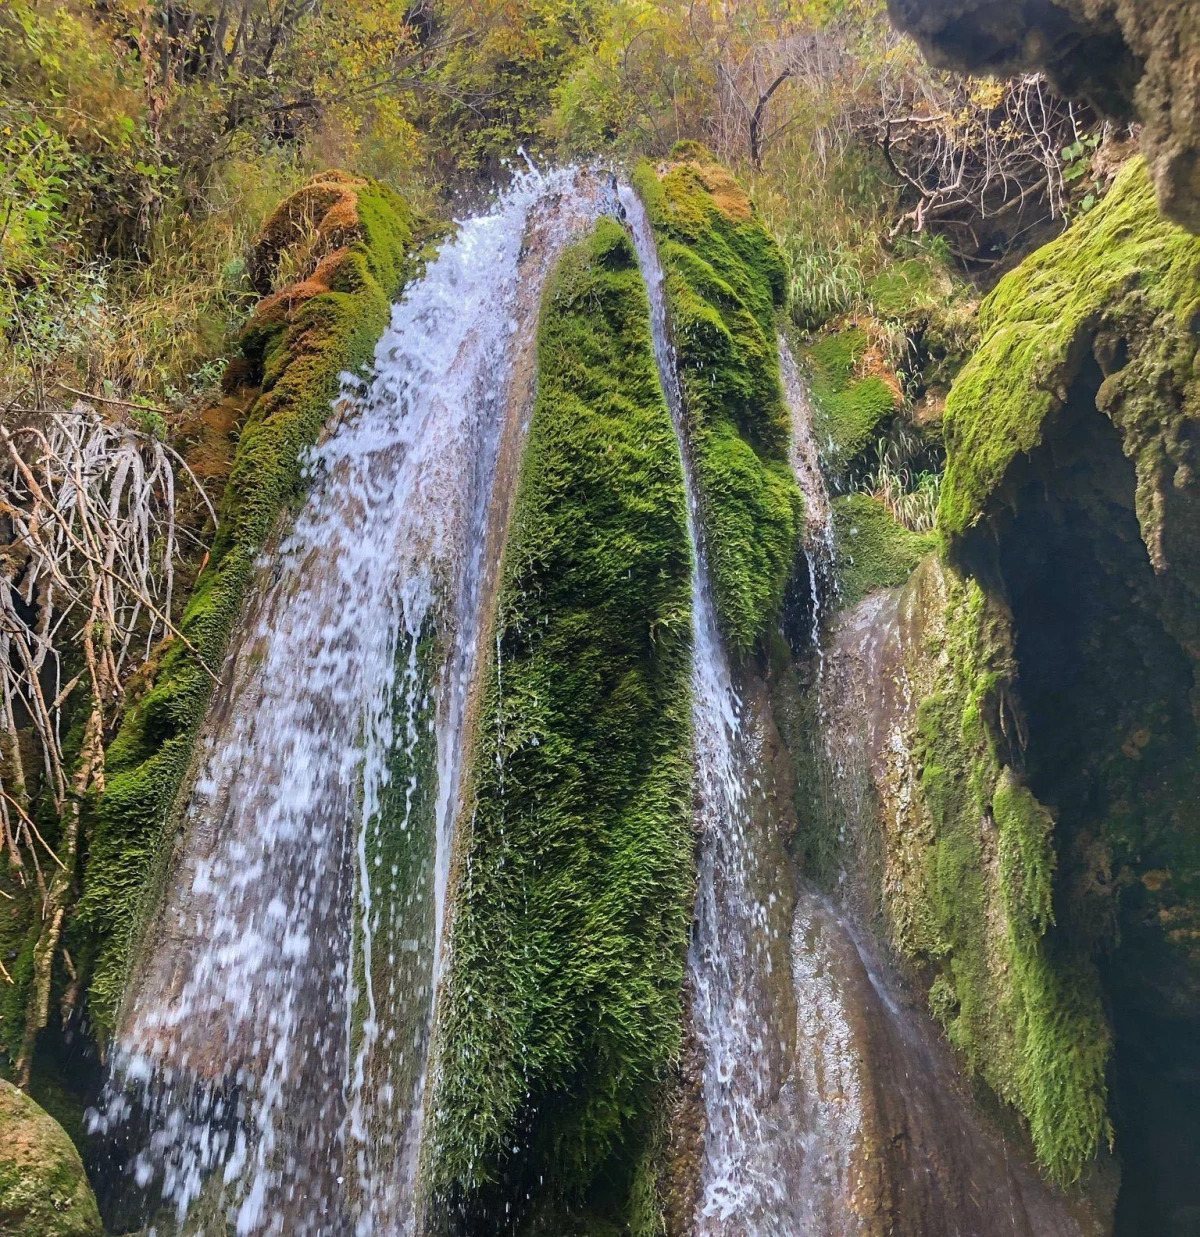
column 44, row 1191
column 725, row 278
column 852, row 407
column 564, row 1007
column 1122, row 284
column 874, row 551
column 1020, row 1006
column 299, row 343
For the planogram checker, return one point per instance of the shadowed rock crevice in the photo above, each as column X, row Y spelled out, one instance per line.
column 1108, row 692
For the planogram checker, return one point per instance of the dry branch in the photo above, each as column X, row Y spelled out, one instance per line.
column 87, row 576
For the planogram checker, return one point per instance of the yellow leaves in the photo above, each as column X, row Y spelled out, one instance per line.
column 986, row 92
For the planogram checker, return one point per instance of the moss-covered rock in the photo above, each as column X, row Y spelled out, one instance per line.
column 853, row 406
column 1122, row 288
column 725, row 277
column 873, row 550
column 44, row 1191
column 964, row 855
column 563, row 1007
column 355, row 237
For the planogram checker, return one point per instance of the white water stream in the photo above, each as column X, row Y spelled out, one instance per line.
column 755, row 1175
column 270, row 1070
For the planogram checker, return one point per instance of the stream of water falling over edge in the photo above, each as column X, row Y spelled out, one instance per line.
column 752, row 1180
column 253, row 1097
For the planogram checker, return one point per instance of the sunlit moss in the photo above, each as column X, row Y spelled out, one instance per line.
column 725, row 279
column 1123, row 283
column 564, row 1006
column 851, row 409
column 874, row 551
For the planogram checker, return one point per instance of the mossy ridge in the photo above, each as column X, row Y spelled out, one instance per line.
column 725, row 278
column 563, row 1008
column 874, row 550
column 852, row 408
column 299, row 342
column 1022, row 1008
column 1123, row 284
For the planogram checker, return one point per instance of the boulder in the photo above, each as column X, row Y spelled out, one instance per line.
column 44, row 1191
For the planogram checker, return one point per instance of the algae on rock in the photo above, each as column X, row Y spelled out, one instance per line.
column 44, row 1191
column 563, row 1002
column 356, row 238
column 853, row 408
column 725, row 278
column 1015, row 801
column 873, row 550
column 966, row 867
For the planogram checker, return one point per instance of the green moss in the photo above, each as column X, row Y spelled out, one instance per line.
column 904, row 286
column 873, row 551
column 44, row 1191
column 725, row 277
column 1121, row 284
column 1018, row 1003
column 564, row 1008
column 851, row 411
column 303, row 351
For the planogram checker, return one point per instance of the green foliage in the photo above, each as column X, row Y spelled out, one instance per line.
column 147, row 761
column 1122, row 273
column 823, row 285
column 500, row 83
column 851, row 410
column 1022, row 1009
column 564, row 1004
column 725, row 277
column 874, row 550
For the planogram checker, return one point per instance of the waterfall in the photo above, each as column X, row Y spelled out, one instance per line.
column 817, row 540
column 270, row 1068
column 831, row 1108
column 751, row 1174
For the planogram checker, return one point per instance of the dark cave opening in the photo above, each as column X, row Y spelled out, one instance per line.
column 1112, row 749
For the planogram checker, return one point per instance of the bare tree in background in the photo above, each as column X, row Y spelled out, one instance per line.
column 976, row 154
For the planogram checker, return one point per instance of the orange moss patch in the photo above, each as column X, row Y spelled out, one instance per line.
column 873, row 364
column 726, row 193
column 312, row 224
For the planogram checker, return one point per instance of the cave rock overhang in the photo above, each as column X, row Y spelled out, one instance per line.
column 1130, row 59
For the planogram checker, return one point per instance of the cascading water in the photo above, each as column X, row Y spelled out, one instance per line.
column 270, row 1070
column 831, row 1109
column 752, row 1174
column 817, row 540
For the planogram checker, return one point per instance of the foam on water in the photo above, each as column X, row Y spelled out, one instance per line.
column 264, row 1076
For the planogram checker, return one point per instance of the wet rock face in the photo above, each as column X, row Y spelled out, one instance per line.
column 1131, row 59
column 43, row 1189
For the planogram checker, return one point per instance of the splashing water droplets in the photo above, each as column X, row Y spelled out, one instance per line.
column 271, row 1065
